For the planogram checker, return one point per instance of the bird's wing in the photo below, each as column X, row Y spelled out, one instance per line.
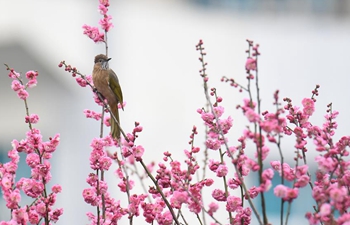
column 113, row 83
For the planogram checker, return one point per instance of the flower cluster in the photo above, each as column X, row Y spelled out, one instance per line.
column 17, row 84
column 97, row 194
column 93, row 32
column 38, row 153
column 174, row 184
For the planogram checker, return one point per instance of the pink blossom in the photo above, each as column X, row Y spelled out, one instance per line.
column 213, row 144
column 10, row 167
column 16, row 85
column 124, row 185
column 251, row 115
column 90, row 197
column 135, row 201
column 105, row 163
column 50, row 146
column 104, row 2
column 233, row 203
column 138, row 152
column 138, row 129
column 42, row 169
column 233, row 183
column 20, row 216
column 20, row 146
column 13, row 74
column 266, row 185
column 313, row 220
column 13, row 155
column 126, row 152
column 81, row 81
column 264, row 151
column 103, row 9
column 41, row 209
column 213, row 165
column 92, row 114
column 249, row 104
column 344, row 219
column 219, row 195
column 195, row 203
column 93, row 33
column 55, row 214
column 208, row 182
column 12, row 201
column 33, row 217
column 103, row 186
column 31, row 187
column 221, row 171
column 301, row 170
column 226, row 125
column 33, row 118
column 7, row 181
column 267, row 174
column 195, row 149
column 338, row 194
column 31, row 74
column 253, row 192
column 32, row 83
column 105, row 23
column 280, row 191
column 165, row 218
column 213, row 207
column 325, row 164
column 292, row 193
column 243, row 215
column 302, row 181
column 56, row 188
column 250, row 64
column 276, row 165
column 325, row 209
column 309, row 106
column 32, row 160
column 219, row 110
column 207, row 117
column 178, row 198
column 22, row 94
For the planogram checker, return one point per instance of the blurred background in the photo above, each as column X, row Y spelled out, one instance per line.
column 152, row 45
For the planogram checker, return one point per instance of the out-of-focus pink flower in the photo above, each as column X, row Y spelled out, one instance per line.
column 90, row 197
column 22, row 94
column 213, row 207
column 219, row 195
column 250, row 64
column 222, row 170
column 233, row 203
column 31, row 74
column 92, row 114
column 16, row 85
column 105, row 23
column 33, row 118
column 56, row 188
column 309, row 106
column 93, row 33
column 137, row 152
column 178, row 198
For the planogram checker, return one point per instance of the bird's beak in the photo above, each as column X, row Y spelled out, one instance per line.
column 109, row 59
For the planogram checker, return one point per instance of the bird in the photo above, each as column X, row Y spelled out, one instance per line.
column 107, row 83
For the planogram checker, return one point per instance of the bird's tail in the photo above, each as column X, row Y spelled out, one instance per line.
column 115, row 130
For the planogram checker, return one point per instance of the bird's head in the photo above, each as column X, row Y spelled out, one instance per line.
column 102, row 61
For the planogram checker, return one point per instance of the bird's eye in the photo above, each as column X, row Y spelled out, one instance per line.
column 100, row 60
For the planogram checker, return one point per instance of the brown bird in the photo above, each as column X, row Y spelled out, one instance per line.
column 107, row 83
